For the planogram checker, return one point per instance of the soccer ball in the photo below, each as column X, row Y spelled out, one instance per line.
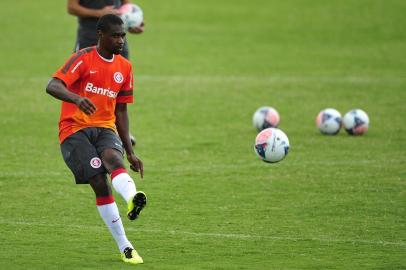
column 271, row 145
column 265, row 117
column 329, row 121
column 131, row 15
column 356, row 122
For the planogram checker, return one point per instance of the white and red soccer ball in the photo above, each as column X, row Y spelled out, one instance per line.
column 271, row 145
column 356, row 122
column 329, row 121
column 132, row 15
column 265, row 117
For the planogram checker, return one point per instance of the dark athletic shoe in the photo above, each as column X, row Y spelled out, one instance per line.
column 133, row 141
column 136, row 205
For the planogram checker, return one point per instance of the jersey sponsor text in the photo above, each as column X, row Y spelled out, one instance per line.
column 100, row 91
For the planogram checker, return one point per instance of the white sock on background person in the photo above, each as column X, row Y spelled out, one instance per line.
column 109, row 212
column 123, row 184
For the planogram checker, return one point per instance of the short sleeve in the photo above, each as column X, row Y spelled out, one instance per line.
column 71, row 71
column 126, row 93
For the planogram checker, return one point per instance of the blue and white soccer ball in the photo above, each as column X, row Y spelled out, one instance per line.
column 132, row 15
column 271, row 145
column 356, row 122
column 329, row 121
column 265, row 117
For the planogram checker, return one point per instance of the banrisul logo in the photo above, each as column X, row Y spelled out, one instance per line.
column 100, row 91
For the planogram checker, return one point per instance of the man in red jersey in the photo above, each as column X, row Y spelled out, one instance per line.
column 88, row 12
column 95, row 85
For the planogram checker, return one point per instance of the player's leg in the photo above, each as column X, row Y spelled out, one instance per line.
column 125, row 52
column 85, row 39
column 108, row 211
column 111, row 153
column 82, row 158
column 123, row 182
column 120, row 179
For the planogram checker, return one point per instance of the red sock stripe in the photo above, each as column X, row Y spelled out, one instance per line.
column 117, row 172
column 104, row 200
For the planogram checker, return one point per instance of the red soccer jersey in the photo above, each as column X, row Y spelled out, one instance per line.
column 105, row 82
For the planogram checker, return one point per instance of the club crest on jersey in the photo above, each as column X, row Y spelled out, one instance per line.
column 95, row 162
column 118, row 77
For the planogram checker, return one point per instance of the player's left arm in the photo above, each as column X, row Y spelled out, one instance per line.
column 122, row 125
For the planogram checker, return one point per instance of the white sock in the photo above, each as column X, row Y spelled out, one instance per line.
column 110, row 215
column 123, row 184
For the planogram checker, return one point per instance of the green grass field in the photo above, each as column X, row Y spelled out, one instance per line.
column 202, row 69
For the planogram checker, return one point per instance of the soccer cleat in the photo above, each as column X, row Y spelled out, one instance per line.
column 133, row 140
column 131, row 256
column 136, row 205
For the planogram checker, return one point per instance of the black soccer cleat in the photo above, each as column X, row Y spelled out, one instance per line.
column 136, row 205
column 133, row 140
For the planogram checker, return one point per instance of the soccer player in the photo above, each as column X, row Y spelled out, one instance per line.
column 95, row 85
column 88, row 12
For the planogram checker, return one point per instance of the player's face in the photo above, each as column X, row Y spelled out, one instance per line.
column 113, row 40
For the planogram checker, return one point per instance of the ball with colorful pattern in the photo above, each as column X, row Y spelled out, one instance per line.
column 132, row 15
column 271, row 145
column 329, row 121
column 265, row 117
column 356, row 122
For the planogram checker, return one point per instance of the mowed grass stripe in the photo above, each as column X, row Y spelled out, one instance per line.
column 352, row 79
column 208, row 234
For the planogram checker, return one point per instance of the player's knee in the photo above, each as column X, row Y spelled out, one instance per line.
column 100, row 186
column 112, row 159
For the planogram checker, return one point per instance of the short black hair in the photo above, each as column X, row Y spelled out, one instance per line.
column 104, row 22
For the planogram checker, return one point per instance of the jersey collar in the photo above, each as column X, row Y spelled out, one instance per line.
column 105, row 59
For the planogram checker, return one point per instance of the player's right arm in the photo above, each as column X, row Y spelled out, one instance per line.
column 76, row 9
column 57, row 89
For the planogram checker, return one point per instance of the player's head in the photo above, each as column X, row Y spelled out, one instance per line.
column 110, row 29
